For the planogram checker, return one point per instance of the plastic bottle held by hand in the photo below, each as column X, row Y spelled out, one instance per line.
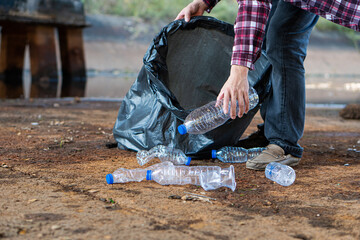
column 164, row 153
column 279, row 173
column 208, row 177
column 235, row 154
column 208, row 117
column 123, row 175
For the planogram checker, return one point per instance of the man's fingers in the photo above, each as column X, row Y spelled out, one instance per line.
column 246, row 101
column 226, row 103
column 187, row 16
column 219, row 98
column 241, row 107
column 179, row 16
column 233, row 106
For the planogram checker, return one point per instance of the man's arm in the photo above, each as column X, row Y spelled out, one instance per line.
column 210, row 4
column 249, row 33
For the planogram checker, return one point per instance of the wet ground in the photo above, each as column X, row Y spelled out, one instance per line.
column 54, row 160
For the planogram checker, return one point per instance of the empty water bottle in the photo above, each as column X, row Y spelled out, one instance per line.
column 123, row 175
column 164, row 153
column 210, row 116
column 208, row 177
column 279, row 173
column 236, row 154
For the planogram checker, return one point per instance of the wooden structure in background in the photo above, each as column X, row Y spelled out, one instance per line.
column 33, row 23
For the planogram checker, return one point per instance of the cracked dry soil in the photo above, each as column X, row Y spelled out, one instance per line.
column 54, row 161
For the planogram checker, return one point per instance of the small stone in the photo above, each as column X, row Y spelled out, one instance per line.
column 55, row 227
column 22, row 231
column 346, row 164
column 174, row 197
column 93, row 191
column 267, row 203
column 32, row 200
column 56, row 105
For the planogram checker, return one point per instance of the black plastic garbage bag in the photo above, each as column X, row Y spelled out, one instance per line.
column 184, row 68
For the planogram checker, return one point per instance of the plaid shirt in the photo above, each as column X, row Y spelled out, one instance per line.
column 253, row 15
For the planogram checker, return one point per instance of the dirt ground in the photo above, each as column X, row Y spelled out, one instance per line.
column 54, row 160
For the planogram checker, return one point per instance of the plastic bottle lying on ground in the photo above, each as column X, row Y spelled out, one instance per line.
column 236, row 154
column 281, row 174
column 208, row 117
column 164, row 153
column 166, row 173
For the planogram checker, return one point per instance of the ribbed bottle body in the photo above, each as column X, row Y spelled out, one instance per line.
column 164, row 153
column 211, row 116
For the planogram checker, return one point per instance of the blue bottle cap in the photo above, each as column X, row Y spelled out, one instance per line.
column 148, row 175
column 110, row 179
column 213, row 154
column 182, row 129
column 187, row 163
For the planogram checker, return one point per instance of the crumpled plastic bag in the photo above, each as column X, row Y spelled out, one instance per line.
column 184, row 68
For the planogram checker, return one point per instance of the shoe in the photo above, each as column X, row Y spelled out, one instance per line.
column 256, row 139
column 272, row 153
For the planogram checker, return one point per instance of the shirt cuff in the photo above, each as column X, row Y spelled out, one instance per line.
column 210, row 4
column 242, row 62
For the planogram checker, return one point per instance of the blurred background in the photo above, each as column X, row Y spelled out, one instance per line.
column 120, row 31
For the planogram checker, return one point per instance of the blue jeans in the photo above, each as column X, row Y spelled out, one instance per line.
column 285, row 44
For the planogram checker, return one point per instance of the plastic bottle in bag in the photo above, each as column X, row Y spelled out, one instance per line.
column 164, row 153
column 235, row 154
column 166, row 173
column 208, row 117
column 279, row 173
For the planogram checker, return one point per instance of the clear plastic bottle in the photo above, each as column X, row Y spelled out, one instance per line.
column 236, row 154
column 123, row 175
column 281, row 174
column 208, row 177
column 164, row 153
column 208, row 117
column 254, row 152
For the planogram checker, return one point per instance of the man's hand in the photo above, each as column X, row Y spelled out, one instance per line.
column 196, row 8
column 236, row 89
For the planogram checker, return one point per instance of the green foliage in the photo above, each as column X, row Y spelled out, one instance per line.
column 156, row 9
column 325, row 25
column 167, row 10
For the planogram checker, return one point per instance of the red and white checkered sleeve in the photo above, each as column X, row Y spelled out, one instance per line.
column 211, row 4
column 249, row 31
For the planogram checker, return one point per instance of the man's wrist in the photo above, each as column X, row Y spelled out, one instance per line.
column 239, row 69
column 210, row 4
